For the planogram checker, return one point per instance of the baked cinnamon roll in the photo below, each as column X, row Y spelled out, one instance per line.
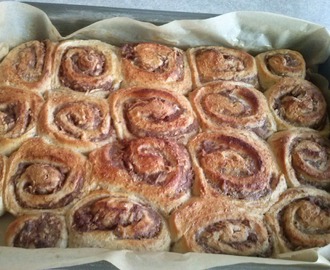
column 153, row 65
column 216, row 63
column 29, row 66
column 303, row 155
column 276, row 64
column 82, row 123
column 19, row 110
column 300, row 219
column 3, row 168
column 87, row 66
column 236, row 165
column 41, row 177
column 209, row 226
column 116, row 221
column 232, row 104
column 157, row 169
column 297, row 103
column 141, row 112
column 43, row 230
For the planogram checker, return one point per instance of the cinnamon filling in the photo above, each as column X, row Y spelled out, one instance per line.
column 283, row 64
column 42, row 232
column 125, row 219
column 31, row 62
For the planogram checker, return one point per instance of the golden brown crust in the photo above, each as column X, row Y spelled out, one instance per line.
column 19, row 110
column 300, row 219
column 81, row 123
column 41, row 177
column 219, row 227
column 297, row 103
column 153, row 65
column 29, row 66
column 235, row 165
column 276, row 64
column 216, row 63
column 157, row 169
column 87, row 66
column 232, row 104
column 303, row 155
column 116, row 221
column 141, row 112
column 43, row 230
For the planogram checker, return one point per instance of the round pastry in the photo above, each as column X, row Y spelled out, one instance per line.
column 116, row 221
column 157, row 169
column 297, row 103
column 19, row 110
column 211, row 226
column 236, row 165
column 3, row 168
column 41, row 176
column 87, row 66
column 43, row 230
column 82, row 123
column 300, row 219
column 275, row 64
column 29, row 66
column 153, row 65
column 303, row 155
column 216, row 63
column 141, row 112
column 232, row 104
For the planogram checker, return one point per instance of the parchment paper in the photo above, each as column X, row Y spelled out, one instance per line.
column 252, row 31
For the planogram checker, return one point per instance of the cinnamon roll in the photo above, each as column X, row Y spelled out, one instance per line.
column 275, row 64
column 297, row 103
column 236, row 165
column 87, row 66
column 300, row 219
column 82, row 123
column 209, row 226
column 43, row 230
column 3, row 168
column 154, row 65
column 29, row 66
column 303, row 155
column 157, row 169
column 232, row 104
column 141, row 112
column 41, row 176
column 116, row 221
column 216, row 63
column 19, row 110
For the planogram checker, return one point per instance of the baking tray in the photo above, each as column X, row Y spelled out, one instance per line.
column 69, row 18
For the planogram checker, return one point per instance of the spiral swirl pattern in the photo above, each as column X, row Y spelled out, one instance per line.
column 300, row 219
column 104, row 219
column 43, row 177
column 44, row 230
column 233, row 104
column 29, row 65
column 215, row 63
column 154, row 65
column 19, row 111
column 79, row 122
column 140, row 112
column 276, row 64
column 297, row 103
column 236, row 164
column 304, row 156
column 87, row 66
column 158, row 169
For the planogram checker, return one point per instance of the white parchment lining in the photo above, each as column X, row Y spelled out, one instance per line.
column 251, row 31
